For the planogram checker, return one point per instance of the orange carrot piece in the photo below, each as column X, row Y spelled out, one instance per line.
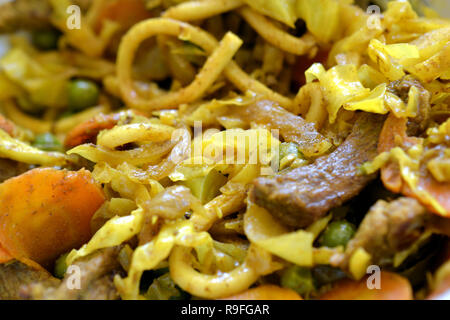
column 46, row 212
column 266, row 292
column 392, row 287
column 393, row 127
column 4, row 256
column 390, row 174
column 87, row 131
column 7, row 125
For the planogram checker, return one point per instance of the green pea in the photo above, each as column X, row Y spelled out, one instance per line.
column 298, row 279
column 47, row 142
column 61, row 266
column 338, row 233
column 45, row 39
column 82, row 94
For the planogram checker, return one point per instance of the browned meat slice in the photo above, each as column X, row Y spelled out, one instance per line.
column 401, row 88
column 292, row 128
column 306, row 194
column 96, row 280
column 15, row 275
column 171, row 204
column 29, row 14
column 389, row 227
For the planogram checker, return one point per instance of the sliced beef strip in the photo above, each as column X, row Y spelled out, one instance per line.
column 305, row 194
column 96, row 282
column 387, row 228
column 292, row 128
column 15, row 275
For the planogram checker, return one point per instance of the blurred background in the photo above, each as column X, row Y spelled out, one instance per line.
column 442, row 7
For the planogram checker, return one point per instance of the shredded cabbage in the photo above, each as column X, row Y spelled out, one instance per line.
column 281, row 10
column 262, row 229
column 240, row 153
column 359, row 261
column 20, row 151
column 113, row 233
column 46, row 84
column 341, row 84
column 151, row 254
column 410, row 162
column 315, row 12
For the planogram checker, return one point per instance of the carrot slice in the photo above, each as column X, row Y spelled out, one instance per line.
column 87, row 131
column 4, row 256
column 392, row 287
column 266, row 292
column 46, row 212
column 393, row 129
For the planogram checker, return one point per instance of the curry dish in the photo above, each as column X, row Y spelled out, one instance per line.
column 224, row 149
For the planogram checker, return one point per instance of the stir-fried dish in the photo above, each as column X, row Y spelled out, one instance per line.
column 224, row 149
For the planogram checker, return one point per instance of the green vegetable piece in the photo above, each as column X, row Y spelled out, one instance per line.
column 298, row 279
column 325, row 274
column 61, row 266
column 82, row 94
column 207, row 187
column 45, row 39
column 338, row 233
column 163, row 288
column 47, row 142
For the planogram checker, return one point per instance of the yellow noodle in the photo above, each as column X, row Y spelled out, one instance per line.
column 179, row 153
column 64, row 125
column 276, row 36
column 146, row 154
column 15, row 149
column 24, row 120
column 205, row 285
column 94, row 12
column 83, row 38
column 226, row 204
column 317, row 112
column 213, row 67
column 152, row 27
column 199, row 10
column 121, row 135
